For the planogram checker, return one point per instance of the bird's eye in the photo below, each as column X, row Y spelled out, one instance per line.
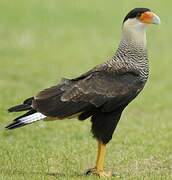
column 139, row 14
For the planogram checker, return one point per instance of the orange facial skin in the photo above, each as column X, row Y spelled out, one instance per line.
column 147, row 17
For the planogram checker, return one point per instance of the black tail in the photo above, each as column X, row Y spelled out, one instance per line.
column 22, row 107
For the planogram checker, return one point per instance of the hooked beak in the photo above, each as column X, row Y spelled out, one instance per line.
column 149, row 18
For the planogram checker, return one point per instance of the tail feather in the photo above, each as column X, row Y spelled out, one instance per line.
column 26, row 114
column 22, row 107
column 25, row 119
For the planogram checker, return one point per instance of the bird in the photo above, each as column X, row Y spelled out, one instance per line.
column 101, row 93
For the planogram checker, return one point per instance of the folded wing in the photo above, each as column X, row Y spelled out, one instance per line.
column 83, row 96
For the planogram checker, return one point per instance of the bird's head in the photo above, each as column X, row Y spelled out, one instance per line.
column 141, row 16
column 136, row 21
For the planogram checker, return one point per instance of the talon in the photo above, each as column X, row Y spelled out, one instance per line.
column 95, row 172
column 90, row 172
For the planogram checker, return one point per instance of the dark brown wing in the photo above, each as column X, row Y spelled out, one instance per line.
column 99, row 87
column 95, row 90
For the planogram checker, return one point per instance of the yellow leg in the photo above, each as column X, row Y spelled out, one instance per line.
column 100, row 156
column 99, row 169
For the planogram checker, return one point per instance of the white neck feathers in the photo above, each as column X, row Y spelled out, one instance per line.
column 134, row 32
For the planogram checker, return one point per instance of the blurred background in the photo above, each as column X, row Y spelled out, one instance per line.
column 44, row 40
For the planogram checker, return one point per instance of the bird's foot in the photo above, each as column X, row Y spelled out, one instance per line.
column 100, row 173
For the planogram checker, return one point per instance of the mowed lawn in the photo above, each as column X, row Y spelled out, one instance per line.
column 42, row 41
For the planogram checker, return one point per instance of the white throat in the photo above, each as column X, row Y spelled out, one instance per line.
column 134, row 32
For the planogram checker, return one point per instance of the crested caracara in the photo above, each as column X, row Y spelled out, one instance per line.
column 100, row 94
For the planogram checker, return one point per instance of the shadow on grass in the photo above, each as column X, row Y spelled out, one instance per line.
column 63, row 175
column 52, row 174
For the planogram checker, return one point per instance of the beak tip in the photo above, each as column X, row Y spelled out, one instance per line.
column 156, row 20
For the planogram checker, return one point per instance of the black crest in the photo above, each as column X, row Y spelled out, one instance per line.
column 135, row 13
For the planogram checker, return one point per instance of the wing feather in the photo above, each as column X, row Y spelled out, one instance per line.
column 103, row 86
column 96, row 89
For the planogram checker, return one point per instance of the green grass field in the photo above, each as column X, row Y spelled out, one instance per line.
column 42, row 41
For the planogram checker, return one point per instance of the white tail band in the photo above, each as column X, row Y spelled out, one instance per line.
column 32, row 118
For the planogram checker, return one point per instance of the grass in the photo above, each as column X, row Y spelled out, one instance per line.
column 42, row 41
